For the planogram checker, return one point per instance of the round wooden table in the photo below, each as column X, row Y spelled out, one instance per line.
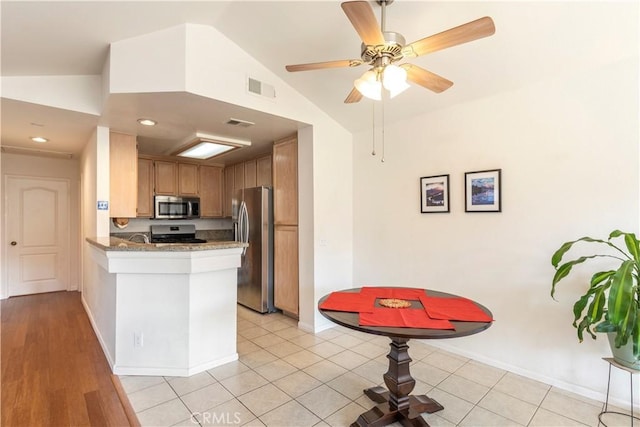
column 397, row 403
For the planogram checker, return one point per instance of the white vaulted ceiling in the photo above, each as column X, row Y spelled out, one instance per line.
column 533, row 41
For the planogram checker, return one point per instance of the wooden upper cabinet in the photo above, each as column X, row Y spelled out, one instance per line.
column 285, row 181
column 238, row 176
column 123, row 171
column 250, row 173
column 210, row 191
column 166, row 181
column 263, row 171
column 145, row 188
column 187, row 179
column 228, row 190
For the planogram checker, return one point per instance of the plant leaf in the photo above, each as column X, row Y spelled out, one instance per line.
column 601, row 276
column 578, row 308
column 632, row 245
column 621, row 304
column 596, row 309
column 564, row 270
column 636, row 339
column 557, row 256
column 582, row 326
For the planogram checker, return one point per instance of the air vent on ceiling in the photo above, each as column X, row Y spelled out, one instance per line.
column 239, row 123
column 260, row 88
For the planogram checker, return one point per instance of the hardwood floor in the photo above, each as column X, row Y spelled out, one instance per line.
column 54, row 372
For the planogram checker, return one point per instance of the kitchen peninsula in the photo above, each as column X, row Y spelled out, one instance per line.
column 163, row 309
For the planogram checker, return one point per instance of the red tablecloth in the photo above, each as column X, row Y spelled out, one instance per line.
column 460, row 309
column 436, row 314
column 348, row 301
column 402, row 318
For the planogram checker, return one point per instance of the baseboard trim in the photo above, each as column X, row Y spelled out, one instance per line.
column 124, row 401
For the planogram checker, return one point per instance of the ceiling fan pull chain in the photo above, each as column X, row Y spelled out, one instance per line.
column 382, row 159
column 373, row 125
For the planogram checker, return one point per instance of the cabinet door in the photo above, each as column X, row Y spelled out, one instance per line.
column 166, row 181
column 123, row 172
column 238, row 176
column 145, row 188
column 210, row 191
column 285, row 182
column 228, row 190
column 285, row 268
column 263, row 171
column 250, row 174
column 187, row 179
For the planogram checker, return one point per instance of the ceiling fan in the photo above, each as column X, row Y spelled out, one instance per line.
column 381, row 49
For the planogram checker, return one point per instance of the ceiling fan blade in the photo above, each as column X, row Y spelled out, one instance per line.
column 323, row 65
column 426, row 79
column 464, row 33
column 354, row 96
column 364, row 21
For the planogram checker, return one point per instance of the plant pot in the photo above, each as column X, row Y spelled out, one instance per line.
column 623, row 355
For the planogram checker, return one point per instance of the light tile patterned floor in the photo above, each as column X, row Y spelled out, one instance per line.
column 285, row 374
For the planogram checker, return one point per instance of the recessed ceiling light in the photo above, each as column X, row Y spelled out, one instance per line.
column 39, row 139
column 147, row 122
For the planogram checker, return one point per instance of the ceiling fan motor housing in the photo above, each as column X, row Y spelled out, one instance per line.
column 391, row 49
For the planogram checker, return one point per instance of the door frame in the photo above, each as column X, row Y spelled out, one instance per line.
column 4, row 286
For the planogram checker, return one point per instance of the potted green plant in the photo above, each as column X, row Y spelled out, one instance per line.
column 612, row 302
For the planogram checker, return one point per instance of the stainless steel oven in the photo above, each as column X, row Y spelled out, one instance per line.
column 171, row 207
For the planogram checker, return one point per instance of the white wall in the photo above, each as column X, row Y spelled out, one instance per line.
column 568, row 150
column 47, row 167
column 99, row 300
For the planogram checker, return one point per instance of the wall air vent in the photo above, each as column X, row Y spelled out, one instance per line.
column 260, row 88
column 239, row 123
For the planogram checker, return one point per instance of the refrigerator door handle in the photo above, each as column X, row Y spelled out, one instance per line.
column 244, row 221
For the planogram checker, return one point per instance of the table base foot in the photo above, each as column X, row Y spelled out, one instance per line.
column 383, row 414
column 377, row 394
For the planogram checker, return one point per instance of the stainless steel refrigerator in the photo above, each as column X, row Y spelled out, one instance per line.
column 252, row 213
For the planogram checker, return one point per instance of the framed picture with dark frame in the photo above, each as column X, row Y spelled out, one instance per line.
column 434, row 194
column 483, row 191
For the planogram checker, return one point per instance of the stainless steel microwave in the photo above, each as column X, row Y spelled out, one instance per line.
column 171, row 207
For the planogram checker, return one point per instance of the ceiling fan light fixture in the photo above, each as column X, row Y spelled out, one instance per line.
column 394, row 79
column 369, row 85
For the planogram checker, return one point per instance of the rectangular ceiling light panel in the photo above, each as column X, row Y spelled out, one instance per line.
column 202, row 146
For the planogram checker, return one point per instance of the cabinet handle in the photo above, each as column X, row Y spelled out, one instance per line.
column 13, row 243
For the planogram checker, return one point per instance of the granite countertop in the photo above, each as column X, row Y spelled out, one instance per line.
column 118, row 244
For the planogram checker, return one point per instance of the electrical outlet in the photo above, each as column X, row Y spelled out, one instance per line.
column 138, row 339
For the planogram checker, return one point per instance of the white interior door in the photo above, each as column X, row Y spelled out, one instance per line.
column 37, row 235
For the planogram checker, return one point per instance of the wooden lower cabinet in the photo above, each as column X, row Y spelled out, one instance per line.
column 285, row 268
